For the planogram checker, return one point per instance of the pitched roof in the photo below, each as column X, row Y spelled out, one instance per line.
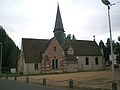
column 58, row 22
column 83, row 47
column 33, row 49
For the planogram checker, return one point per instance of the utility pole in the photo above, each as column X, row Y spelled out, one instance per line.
column 108, row 4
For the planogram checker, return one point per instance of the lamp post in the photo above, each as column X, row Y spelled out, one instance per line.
column 114, row 84
column 1, row 59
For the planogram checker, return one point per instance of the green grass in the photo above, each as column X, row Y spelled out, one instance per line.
column 8, row 75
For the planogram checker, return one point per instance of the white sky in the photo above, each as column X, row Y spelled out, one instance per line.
column 36, row 19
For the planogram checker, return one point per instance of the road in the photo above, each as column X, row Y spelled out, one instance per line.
column 15, row 85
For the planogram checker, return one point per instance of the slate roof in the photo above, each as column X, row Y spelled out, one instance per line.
column 58, row 22
column 33, row 49
column 83, row 47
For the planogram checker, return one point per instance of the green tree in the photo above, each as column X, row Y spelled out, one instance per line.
column 119, row 38
column 117, row 52
column 102, row 46
column 10, row 51
column 107, row 50
column 70, row 37
column 73, row 37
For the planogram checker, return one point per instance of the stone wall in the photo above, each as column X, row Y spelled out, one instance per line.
column 29, row 68
column 71, row 66
column 91, row 66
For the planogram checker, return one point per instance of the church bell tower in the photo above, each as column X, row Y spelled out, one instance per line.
column 58, row 29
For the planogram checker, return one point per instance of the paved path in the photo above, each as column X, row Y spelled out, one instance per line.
column 14, row 85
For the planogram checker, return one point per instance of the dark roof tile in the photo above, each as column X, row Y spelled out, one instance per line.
column 83, row 47
column 33, row 49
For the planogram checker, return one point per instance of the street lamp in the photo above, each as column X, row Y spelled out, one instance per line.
column 114, row 84
column 1, row 60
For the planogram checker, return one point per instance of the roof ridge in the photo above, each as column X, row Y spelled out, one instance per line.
column 81, row 40
column 34, row 39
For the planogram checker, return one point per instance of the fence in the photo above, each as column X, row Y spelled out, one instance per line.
column 64, row 83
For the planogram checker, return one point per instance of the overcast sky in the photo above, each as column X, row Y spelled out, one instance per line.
column 36, row 19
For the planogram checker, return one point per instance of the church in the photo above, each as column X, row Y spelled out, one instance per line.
column 57, row 55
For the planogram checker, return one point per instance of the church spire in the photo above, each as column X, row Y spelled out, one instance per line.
column 58, row 29
column 58, row 22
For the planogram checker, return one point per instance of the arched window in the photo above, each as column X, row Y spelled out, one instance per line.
column 36, row 66
column 87, row 61
column 54, row 63
column 96, row 61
